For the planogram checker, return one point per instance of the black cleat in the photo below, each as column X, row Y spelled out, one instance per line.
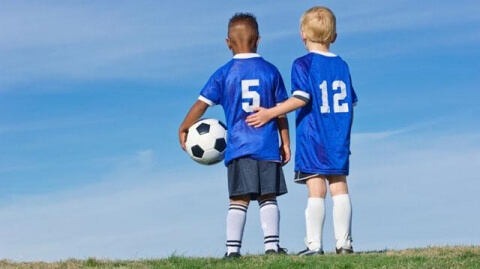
column 270, row 251
column 344, row 250
column 280, row 251
column 308, row 252
column 232, row 255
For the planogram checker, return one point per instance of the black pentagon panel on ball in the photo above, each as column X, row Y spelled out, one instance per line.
column 223, row 125
column 197, row 151
column 220, row 144
column 203, row 128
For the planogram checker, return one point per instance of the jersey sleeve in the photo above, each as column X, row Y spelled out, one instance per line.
column 300, row 87
column 210, row 94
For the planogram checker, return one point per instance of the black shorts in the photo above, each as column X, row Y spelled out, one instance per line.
column 301, row 177
column 251, row 177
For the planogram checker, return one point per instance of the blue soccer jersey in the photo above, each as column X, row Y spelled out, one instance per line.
column 324, row 123
column 245, row 82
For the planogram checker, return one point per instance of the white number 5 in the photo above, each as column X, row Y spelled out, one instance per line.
column 246, row 94
column 337, row 97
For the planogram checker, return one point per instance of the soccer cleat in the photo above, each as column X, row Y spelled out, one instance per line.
column 280, row 251
column 308, row 252
column 232, row 255
column 270, row 251
column 344, row 250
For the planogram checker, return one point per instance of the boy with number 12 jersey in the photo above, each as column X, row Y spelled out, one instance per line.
column 323, row 95
column 322, row 80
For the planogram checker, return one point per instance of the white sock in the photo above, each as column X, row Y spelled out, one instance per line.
column 342, row 220
column 270, row 220
column 314, row 220
column 236, row 217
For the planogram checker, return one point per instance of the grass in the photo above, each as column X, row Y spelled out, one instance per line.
column 432, row 257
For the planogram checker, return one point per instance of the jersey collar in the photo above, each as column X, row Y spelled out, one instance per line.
column 245, row 55
column 327, row 54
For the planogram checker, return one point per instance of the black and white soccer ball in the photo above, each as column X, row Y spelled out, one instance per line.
column 207, row 141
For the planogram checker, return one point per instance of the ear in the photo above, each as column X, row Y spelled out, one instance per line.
column 229, row 44
column 303, row 35
column 258, row 41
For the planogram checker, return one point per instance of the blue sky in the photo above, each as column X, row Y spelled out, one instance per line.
column 92, row 94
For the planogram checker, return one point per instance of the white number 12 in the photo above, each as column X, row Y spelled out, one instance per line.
column 337, row 97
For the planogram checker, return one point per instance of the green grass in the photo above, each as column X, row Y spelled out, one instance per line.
column 432, row 257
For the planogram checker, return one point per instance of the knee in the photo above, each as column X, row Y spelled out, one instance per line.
column 265, row 200
column 338, row 185
column 264, row 197
column 242, row 200
column 317, row 187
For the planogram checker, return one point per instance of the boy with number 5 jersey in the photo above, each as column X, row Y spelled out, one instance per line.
column 254, row 156
column 322, row 92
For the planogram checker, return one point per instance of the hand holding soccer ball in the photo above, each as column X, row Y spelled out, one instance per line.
column 207, row 141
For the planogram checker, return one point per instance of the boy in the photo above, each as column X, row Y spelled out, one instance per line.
column 323, row 94
column 253, row 157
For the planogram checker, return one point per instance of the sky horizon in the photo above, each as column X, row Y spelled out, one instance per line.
column 92, row 95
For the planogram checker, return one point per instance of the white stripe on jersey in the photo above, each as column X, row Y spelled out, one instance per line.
column 205, row 100
column 324, row 53
column 301, row 94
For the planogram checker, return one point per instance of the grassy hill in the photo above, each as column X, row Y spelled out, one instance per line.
column 432, row 257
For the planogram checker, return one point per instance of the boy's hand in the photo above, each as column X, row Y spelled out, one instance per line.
column 182, row 137
column 197, row 110
column 285, row 154
column 260, row 118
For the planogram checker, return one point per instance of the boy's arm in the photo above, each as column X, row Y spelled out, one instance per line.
column 197, row 111
column 263, row 115
column 285, row 152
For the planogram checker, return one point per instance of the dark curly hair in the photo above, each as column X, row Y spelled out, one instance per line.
column 246, row 19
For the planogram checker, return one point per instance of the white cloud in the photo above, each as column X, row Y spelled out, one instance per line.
column 406, row 190
column 376, row 30
column 406, row 15
column 146, row 157
column 96, row 41
column 51, row 123
column 379, row 135
column 415, row 189
column 135, row 211
column 122, row 41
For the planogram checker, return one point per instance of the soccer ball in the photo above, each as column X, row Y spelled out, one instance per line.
column 207, row 141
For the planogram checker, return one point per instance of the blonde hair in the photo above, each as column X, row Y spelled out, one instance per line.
column 319, row 25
